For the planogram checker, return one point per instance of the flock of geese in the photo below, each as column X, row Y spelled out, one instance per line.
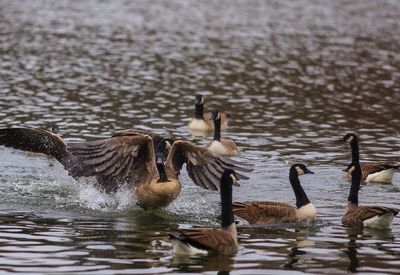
column 151, row 164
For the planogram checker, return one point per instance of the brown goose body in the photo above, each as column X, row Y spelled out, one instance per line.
column 265, row 212
column 206, row 124
column 377, row 172
column 211, row 240
column 129, row 157
column 221, row 146
column 358, row 216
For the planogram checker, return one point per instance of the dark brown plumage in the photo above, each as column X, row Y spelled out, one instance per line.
column 265, row 212
column 356, row 215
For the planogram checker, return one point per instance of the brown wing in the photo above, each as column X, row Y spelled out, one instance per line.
column 264, row 212
column 204, row 167
column 122, row 158
column 34, row 140
column 355, row 215
column 210, row 239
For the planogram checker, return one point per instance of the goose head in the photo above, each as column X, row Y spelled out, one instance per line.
column 301, row 169
column 199, row 100
column 215, row 115
column 54, row 128
column 349, row 138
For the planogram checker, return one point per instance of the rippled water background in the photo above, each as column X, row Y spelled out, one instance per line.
column 295, row 76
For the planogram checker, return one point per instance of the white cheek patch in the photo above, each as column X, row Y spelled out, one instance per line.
column 233, row 178
column 351, row 169
column 219, row 116
column 299, row 170
column 202, row 100
column 350, row 139
column 168, row 145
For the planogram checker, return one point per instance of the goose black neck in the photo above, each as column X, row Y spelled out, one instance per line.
column 301, row 197
column 217, row 129
column 355, row 185
column 161, row 171
column 226, row 204
column 198, row 111
column 355, row 154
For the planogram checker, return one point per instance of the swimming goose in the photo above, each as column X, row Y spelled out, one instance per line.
column 267, row 212
column 205, row 240
column 364, row 216
column 371, row 172
column 149, row 163
column 202, row 121
column 221, row 146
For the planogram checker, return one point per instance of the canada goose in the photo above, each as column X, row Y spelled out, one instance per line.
column 202, row 121
column 364, row 216
column 371, row 172
column 267, row 212
column 204, row 240
column 147, row 162
column 221, row 146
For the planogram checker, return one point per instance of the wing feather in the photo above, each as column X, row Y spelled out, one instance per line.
column 118, row 159
column 204, row 167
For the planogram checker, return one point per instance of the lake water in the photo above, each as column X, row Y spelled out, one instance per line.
column 294, row 75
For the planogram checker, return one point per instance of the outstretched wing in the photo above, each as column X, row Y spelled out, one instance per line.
column 34, row 140
column 204, row 167
column 122, row 158
column 264, row 212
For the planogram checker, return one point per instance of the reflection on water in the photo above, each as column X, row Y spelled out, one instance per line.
column 294, row 75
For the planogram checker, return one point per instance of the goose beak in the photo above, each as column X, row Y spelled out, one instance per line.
column 309, row 172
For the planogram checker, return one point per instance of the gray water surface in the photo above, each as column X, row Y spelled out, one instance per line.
column 294, row 75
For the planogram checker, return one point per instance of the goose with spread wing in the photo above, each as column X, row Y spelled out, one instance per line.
column 150, row 163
